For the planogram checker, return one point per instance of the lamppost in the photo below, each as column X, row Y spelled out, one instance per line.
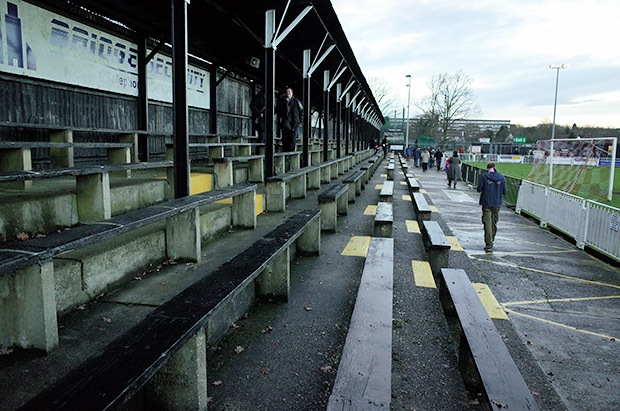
column 555, row 103
column 408, row 102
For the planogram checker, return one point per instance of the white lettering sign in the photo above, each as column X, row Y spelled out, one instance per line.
column 37, row 43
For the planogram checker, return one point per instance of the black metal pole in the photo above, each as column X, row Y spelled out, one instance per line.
column 143, row 102
column 213, row 100
column 270, row 90
column 307, row 124
column 179, row 98
column 325, row 125
column 338, row 121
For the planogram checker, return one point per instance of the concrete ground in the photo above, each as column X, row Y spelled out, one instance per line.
column 285, row 356
column 563, row 303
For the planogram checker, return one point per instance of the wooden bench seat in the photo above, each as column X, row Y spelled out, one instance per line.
column 412, row 184
column 92, row 184
column 390, row 171
column 364, row 378
column 387, row 191
column 32, row 312
column 354, row 180
column 384, row 220
column 437, row 245
column 333, row 201
column 292, row 184
column 484, row 360
column 224, row 170
column 165, row 353
column 421, row 207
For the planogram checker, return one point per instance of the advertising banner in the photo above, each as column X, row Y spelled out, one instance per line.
column 37, row 43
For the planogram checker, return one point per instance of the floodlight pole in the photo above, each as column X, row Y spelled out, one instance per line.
column 408, row 102
column 555, row 103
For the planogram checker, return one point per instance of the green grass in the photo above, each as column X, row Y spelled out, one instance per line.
column 522, row 170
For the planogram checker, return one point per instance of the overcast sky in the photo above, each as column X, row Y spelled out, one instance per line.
column 505, row 46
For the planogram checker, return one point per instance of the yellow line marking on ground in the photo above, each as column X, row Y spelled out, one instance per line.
column 383, row 175
column 509, row 311
column 357, row 246
column 494, row 309
column 568, row 277
column 403, row 183
column 422, row 274
column 371, row 210
column 406, row 197
column 530, row 252
column 454, row 243
column 378, row 186
column 556, row 300
column 433, row 208
column 412, row 226
column 423, row 191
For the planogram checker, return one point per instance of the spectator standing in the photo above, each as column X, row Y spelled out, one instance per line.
column 384, row 144
column 257, row 106
column 425, row 156
column 290, row 117
column 491, row 186
column 438, row 157
column 454, row 172
column 417, row 155
column 408, row 151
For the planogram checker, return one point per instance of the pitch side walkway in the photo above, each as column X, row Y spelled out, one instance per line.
column 563, row 303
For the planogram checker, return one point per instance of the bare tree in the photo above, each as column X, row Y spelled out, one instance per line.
column 384, row 94
column 451, row 98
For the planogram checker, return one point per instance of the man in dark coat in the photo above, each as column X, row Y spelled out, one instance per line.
column 290, row 117
column 257, row 106
column 491, row 186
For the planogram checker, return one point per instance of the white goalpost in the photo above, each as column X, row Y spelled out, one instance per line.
column 576, row 165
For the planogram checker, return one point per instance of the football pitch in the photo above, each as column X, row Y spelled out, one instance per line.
column 521, row 171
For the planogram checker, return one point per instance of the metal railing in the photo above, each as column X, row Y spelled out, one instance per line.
column 589, row 222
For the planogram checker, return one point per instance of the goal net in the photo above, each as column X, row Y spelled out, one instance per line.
column 583, row 167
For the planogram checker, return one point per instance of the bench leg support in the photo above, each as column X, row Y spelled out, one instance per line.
column 329, row 218
column 181, row 384
column 309, row 242
column 183, row 236
column 274, row 282
column 223, row 174
column 28, row 308
column 93, row 197
column 276, row 196
column 244, row 210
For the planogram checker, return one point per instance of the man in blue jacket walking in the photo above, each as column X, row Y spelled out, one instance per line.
column 492, row 186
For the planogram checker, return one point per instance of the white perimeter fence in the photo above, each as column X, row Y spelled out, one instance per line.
column 588, row 222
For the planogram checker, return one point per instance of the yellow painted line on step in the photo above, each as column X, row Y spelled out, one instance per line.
column 260, row 203
column 371, row 210
column 378, row 186
column 200, row 183
column 403, row 183
column 490, row 303
column 422, row 274
column 383, row 175
column 560, row 300
column 568, row 277
column 412, row 226
column 509, row 311
column 357, row 246
column 406, row 197
column 423, row 191
column 454, row 243
column 433, row 209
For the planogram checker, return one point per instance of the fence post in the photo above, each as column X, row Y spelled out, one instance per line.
column 583, row 232
column 543, row 218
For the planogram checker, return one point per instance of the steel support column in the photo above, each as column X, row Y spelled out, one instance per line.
column 307, row 113
column 213, row 99
column 338, row 118
column 179, row 98
column 143, row 102
column 325, row 115
column 270, row 90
